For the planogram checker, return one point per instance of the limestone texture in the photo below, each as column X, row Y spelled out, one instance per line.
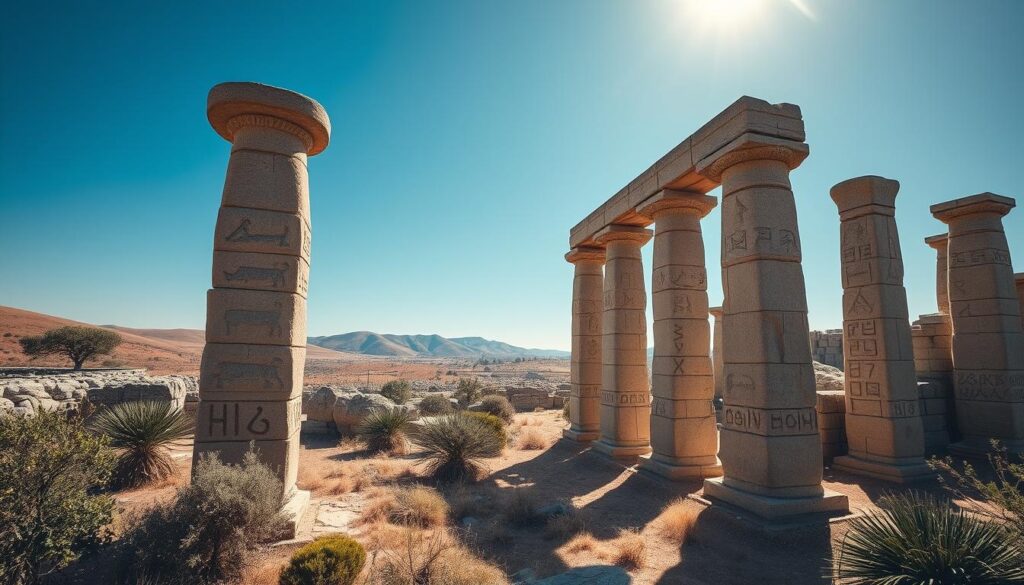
column 585, row 362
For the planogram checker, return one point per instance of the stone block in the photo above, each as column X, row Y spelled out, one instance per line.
column 265, row 232
column 251, row 372
column 265, row 180
column 764, row 286
column 780, row 465
column 282, row 456
column 769, row 385
column 248, row 421
column 272, row 272
column 255, row 317
column 766, row 337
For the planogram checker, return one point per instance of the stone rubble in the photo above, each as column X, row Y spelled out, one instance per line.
column 26, row 391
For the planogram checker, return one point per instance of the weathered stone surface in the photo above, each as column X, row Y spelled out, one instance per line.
column 828, row 378
column 585, row 362
column 318, row 405
column 351, row 407
column 528, row 399
column 883, row 422
column 255, row 316
column 988, row 337
column 251, row 372
column 66, row 389
column 248, row 270
column 717, row 358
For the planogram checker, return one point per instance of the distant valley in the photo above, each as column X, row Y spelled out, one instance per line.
column 386, row 344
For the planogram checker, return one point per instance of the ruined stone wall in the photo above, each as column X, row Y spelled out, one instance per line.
column 827, row 347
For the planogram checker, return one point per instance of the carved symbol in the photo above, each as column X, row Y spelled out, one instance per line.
column 236, row 371
column 234, row 318
column 275, row 276
column 677, row 330
column 763, row 234
column 741, row 209
column 965, row 312
column 681, row 305
column 593, row 348
column 264, row 424
column 959, row 286
column 661, row 279
column 242, row 234
column 787, row 241
column 739, row 383
column 859, row 231
column 860, row 305
column 738, row 240
column 678, row 366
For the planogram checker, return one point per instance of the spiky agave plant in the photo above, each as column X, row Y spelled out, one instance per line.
column 142, row 432
column 384, row 430
column 916, row 539
column 454, row 445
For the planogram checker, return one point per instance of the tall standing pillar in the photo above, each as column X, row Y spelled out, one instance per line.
column 684, row 438
column 932, row 337
column 250, row 383
column 883, row 421
column 988, row 339
column 770, row 445
column 625, row 385
column 940, row 243
column 717, row 359
column 585, row 364
column 1019, row 280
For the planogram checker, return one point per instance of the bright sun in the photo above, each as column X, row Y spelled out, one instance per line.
column 733, row 16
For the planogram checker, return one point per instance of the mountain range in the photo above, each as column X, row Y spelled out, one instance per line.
column 370, row 343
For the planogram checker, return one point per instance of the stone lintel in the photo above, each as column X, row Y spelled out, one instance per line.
column 865, row 195
column 749, row 147
column 980, row 203
column 617, row 232
column 716, row 312
column 938, row 241
column 670, row 200
column 585, row 254
column 233, row 99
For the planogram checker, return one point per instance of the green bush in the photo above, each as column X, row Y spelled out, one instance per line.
column 435, row 404
column 916, row 538
column 494, row 423
column 468, row 391
column 384, row 430
column 499, row 406
column 328, row 560
column 208, row 531
column 142, row 431
column 51, row 470
column 1001, row 499
column 453, row 445
column 398, row 391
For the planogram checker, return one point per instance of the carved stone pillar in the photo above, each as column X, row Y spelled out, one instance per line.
column 1019, row 279
column 770, row 444
column 940, row 243
column 625, row 386
column 717, row 359
column 250, row 386
column 932, row 337
column 585, row 364
column 883, row 420
column 684, row 437
column 988, row 339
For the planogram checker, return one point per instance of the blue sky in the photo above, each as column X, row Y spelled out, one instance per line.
column 468, row 138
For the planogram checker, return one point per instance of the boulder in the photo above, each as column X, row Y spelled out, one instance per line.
column 351, row 407
column 528, row 399
column 828, row 378
column 6, row 406
column 318, row 405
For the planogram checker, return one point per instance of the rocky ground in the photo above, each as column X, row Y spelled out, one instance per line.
column 27, row 390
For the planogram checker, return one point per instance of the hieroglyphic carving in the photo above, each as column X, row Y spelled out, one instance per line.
column 771, row 422
column 234, row 318
column 232, row 372
column 254, row 274
column 242, row 234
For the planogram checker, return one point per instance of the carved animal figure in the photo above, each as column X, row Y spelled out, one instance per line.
column 273, row 276
column 238, row 371
column 236, row 317
column 241, row 234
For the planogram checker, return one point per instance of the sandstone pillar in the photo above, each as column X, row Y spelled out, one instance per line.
column 250, row 385
column 717, row 359
column 770, row 446
column 684, row 437
column 625, row 385
column 1019, row 279
column 585, row 364
column 883, row 421
column 932, row 337
column 940, row 244
column 988, row 339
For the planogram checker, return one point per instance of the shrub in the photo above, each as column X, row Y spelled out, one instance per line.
column 565, row 410
column 416, row 506
column 207, row 532
column 630, row 550
column 384, row 430
column 916, row 538
column 531, row 439
column 328, row 560
column 522, row 509
column 677, row 521
column 435, row 404
column 453, row 446
column 499, row 406
column 468, row 391
column 77, row 343
column 433, row 560
column 398, row 391
column 494, row 422
column 51, row 468
column 142, row 431
column 1001, row 499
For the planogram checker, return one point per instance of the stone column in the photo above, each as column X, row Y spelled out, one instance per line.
column 684, row 437
column 250, row 386
column 988, row 339
column 932, row 336
column 1019, row 279
column 625, row 384
column 883, row 422
column 940, row 243
column 717, row 359
column 585, row 364
column 770, row 445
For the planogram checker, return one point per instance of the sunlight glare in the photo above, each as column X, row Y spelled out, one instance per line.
column 721, row 15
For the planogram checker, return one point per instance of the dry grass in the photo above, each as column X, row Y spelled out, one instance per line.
column 677, row 521
column 629, row 550
column 263, row 574
column 565, row 525
column 410, row 506
column 531, row 439
column 582, row 542
column 520, row 508
column 476, row 503
column 352, row 476
column 433, row 558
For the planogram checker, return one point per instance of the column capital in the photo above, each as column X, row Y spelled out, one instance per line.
column 673, row 201
column 716, row 312
column 980, row 203
column 869, row 194
column 938, row 242
column 748, row 147
column 619, row 232
column 585, row 254
column 234, row 105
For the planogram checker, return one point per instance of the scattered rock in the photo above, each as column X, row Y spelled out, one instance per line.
column 827, row 377
column 318, row 405
column 351, row 407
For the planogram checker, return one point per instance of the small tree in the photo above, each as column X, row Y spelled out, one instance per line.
column 51, row 468
column 398, row 391
column 76, row 343
column 468, row 391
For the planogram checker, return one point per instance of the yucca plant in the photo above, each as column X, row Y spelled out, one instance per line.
column 454, row 445
column 916, row 539
column 385, row 430
column 142, row 432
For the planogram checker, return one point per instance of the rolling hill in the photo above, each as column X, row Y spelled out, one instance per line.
column 386, row 344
